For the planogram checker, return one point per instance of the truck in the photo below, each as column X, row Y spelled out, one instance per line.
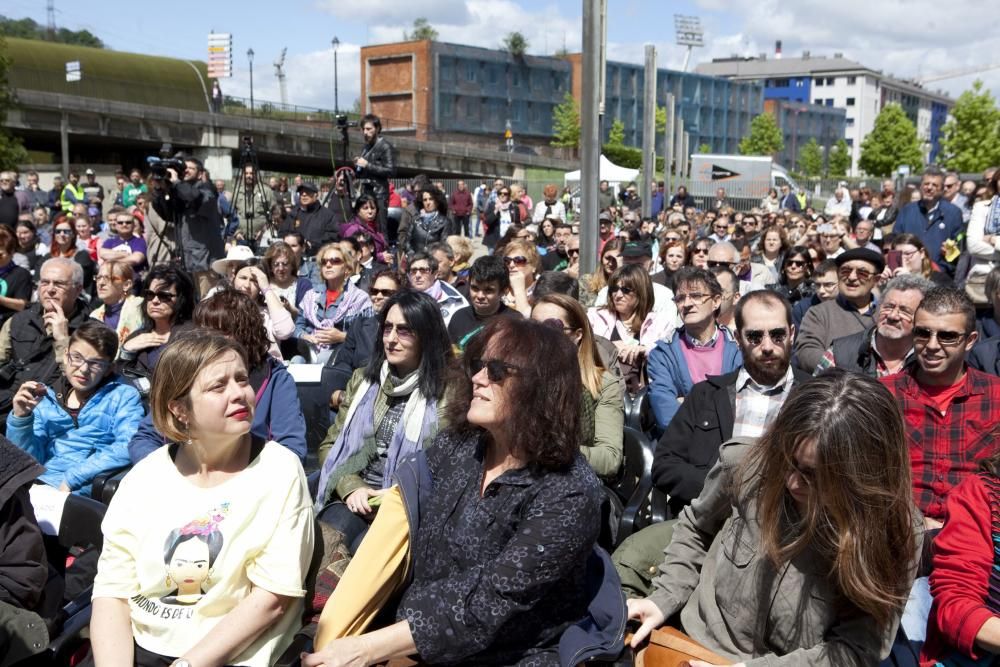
column 745, row 178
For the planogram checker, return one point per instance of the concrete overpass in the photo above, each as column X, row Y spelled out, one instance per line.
column 92, row 130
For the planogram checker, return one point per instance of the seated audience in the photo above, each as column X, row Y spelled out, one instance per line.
column 30, row 245
column 505, row 523
column 120, row 309
column 521, row 260
column 914, row 259
column 365, row 214
column 282, row 268
column 603, row 415
column 278, row 414
column 329, row 309
column 796, row 272
column 558, row 282
column 592, row 285
column 168, row 302
column 801, row 548
column 488, row 282
column 730, row 285
column 278, row 323
column 368, row 264
column 392, row 408
column 826, row 286
column 125, row 246
column 209, row 569
column 79, row 426
column 422, row 272
column 23, row 568
column 15, row 281
column 640, row 253
column 64, row 244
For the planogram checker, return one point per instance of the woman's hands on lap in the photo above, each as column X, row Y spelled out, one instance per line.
column 649, row 616
column 346, row 652
column 357, row 501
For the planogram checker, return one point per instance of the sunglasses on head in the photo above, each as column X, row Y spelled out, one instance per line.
column 163, row 295
column 755, row 336
column 496, row 370
column 519, row 260
column 924, row 335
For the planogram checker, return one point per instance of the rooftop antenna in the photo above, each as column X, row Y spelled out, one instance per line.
column 279, row 71
column 689, row 34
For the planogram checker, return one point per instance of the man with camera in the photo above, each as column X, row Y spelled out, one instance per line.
column 252, row 209
column 375, row 166
column 179, row 194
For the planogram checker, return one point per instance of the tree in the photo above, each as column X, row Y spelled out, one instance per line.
column 12, row 151
column 811, row 159
column 970, row 140
column 29, row 29
column 764, row 138
column 891, row 143
column 566, row 123
column 422, row 29
column 616, row 136
column 661, row 120
column 839, row 161
column 515, row 43
column 704, row 149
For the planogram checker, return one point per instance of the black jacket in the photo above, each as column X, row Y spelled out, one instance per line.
column 315, row 223
column 854, row 353
column 492, row 221
column 354, row 353
column 23, row 566
column 381, row 167
column 690, row 446
column 195, row 206
column 985, row 356
column 685, row 201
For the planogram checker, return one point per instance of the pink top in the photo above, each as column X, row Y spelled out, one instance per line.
column 703, row 361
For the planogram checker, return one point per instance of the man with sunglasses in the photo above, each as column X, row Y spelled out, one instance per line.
column 853, row 310
column 125, row 246
column 422, row 272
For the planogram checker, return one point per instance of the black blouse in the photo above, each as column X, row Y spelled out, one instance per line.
column 497, row 578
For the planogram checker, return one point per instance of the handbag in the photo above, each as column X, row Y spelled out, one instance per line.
column 975, row 288
column 669, row 647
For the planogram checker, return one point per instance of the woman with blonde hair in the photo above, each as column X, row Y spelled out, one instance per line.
column 603, row 416
column 610, row 259
column 523, row 264
column 802, row 548
column 462, row 247
column 329, row 309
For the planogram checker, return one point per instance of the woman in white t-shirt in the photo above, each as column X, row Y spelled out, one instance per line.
column 208, row 540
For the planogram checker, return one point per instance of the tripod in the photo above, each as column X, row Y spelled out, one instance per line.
column 252, row 194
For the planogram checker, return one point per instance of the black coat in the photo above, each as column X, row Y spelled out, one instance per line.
column 985, row 356
column 492, row 221
column 690, row 446
column 381, row 167
column 315, row 223
column 23, row 568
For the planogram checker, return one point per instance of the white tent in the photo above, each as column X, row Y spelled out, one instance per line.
column 609, row 171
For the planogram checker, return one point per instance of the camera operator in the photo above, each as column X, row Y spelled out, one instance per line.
column 258, row 200
column 375, row 166
column 192, row 204
column 310, row 219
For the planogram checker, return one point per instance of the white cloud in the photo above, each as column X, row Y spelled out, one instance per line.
column 373, row 11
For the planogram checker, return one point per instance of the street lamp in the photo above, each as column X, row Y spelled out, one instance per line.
column 250, row 58
column 336, row 105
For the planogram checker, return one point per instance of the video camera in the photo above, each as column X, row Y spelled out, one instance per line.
column 343, row 123
column 167, row 159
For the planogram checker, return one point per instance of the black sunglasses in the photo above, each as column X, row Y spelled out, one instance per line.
column 715, row 264
column 382, row 292
column 923, row 335
column 793, row 262
column 755, row 337
column 496, row 370
column 519, row 260
column 163, row 295
column 621, row 288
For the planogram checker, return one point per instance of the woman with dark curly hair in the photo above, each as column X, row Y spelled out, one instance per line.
column 796, row 269
column 431, row 223
column 365, row 220
column 278, row 415
column 505, row 524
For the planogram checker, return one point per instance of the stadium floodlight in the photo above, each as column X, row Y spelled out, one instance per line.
column 689, row 34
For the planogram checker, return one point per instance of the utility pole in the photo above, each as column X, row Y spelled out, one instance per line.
column 335, row 43
column 648, row 132
column 668, row 150
column 590, row 130
column 250, row 58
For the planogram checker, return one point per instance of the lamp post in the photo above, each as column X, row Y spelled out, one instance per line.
column 336, row 105
column 250, row 58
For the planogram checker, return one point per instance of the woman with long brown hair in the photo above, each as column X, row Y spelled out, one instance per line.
column 803, row 545
column 610, row 259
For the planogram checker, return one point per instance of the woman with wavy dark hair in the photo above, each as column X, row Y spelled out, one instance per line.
column 366, row 220
column 804, row 545
column 278, row 415
column 431, row 222
column 505, row 526
column 391, row 408
column 796, row 270
column 168, row 300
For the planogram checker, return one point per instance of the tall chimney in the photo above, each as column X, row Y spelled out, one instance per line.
column 777, row 50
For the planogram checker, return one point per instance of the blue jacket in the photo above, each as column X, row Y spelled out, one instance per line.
column 278, row 417
column 76, row 451
column 669, row 378
column 943, row 224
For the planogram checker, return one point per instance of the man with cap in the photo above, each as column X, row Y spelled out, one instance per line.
column 314, row 222
column 606, row 231
column 851, row 312
column 641, row 253
column 92, row 190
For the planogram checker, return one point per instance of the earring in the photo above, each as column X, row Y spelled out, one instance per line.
column 169, row 583
column 187, row 433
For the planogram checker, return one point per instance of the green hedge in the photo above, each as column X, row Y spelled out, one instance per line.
column 626, row 156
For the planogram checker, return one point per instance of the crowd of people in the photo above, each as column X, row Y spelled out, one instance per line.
column 821, row 385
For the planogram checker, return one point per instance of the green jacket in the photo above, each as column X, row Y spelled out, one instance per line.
column 22, row 634
column 604, row 450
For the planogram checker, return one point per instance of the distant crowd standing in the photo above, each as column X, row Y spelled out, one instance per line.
column 816, row 385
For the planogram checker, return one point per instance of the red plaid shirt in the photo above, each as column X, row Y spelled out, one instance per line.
column 945, row 448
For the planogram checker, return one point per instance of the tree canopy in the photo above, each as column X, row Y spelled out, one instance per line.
column 970, row 140
column 616, row 135
column 811, row 159
column 566, row 123
column 29, row 29
column 12, row 151
column 422, row 29
column 764, row 138
column 839, row 160
column 515, row 43
column 891, row 143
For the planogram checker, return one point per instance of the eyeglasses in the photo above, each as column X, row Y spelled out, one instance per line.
column 403, row 332
column 418, row 270
column 381, row 292
column 626, row 291
column 944, row 338
column 518, row 260
column 556, row 323
column 797, row 263
column 864, row 275
column 697, row 298
column 908, row 253
column 715, row 264
column 93, row 365
column 504, row 194
column 496, row 370
column 700, row 251
column 332, row 261
column 129, row 221
column 163, row 295
column 902, row 312
column 280, row 265
column 756, row 336
column 107, row 279
column 60, row 231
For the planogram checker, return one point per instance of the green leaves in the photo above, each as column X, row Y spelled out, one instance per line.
column 12, row 151
column 970, row 140
column 891, row 143
column 811, row 159
column 839, row 162
column 566, row 123
column 764, row 138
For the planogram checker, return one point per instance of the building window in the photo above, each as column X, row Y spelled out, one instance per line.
column 819, row 81
column 494, row 75
column 829, row 80
column 829, row 101
column 851, row 80
column 850, row 141
column 446, row 106
column 850, row 122
column 515, row 78
column 817, row 101
column 850, row 101
column 470, row 71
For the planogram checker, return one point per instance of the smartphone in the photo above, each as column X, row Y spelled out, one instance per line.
column 894, row 259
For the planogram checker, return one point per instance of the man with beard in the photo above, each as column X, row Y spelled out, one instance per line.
column 738, row 404
column 375, row 166
column 887, row 347
column 559, row 260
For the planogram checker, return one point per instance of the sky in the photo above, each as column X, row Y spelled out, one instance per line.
column 912, row 39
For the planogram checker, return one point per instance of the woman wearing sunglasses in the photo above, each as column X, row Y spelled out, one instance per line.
column 498, row 546
column 629, row 321
column 81, row 425
column 801, row 548
column 603, row 414
column 500, row 214
column 698, row 253
column 610, row 259
column 391, row 408
column 168, row 302
column 329, row 309
column 522, row 262
column 64, row 244
column 796, row 270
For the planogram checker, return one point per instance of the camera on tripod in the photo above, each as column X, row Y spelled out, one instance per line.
column 246, row 147
column 343, row 123
column 167, row 159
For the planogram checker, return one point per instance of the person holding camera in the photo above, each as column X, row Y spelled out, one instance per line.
column 184, row 197
column 375, row 165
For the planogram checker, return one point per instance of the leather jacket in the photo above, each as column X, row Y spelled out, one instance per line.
column 381, row 167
